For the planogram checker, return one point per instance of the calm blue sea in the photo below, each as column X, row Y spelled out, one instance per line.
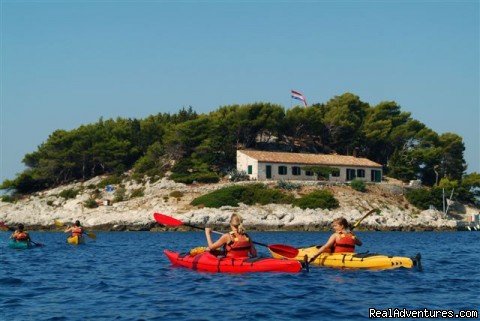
column 125, row 276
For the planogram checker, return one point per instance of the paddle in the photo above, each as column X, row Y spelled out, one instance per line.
column 348, row 230
column 89, row 234
column 2, row 224
column 363, row 217
column 283, row 250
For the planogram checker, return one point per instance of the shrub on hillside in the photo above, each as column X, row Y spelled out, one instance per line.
column 139, row 192
column 236, row 176
column 249, row 194
column 110, row 180
column 120, row 194
column 358, row 185
column 90, row 203
column 176, row 194
column 69, row 193
column 286, row 185
column 317, row 199
column 8, row 199
column 200, row 177
column 424, row 197
column 261, row 194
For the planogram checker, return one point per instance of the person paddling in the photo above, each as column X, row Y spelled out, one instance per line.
column 20, row 235
column 343, row 240
column 76, row 229
column 236, row 243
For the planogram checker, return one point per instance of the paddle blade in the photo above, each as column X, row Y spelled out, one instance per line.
column 91, row 235
column 58, row 223
column 284, row 250
column 166, row 220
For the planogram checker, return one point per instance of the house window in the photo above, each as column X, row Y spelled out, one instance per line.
column 308, row 173
column 336, row 173
column 249, row 171
column 296, row 170
column 360, row 173
column 282, row 170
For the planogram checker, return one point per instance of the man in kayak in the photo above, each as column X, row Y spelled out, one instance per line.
column 20, row 235
column 236, row 244
column 343, row 240
column 76, row 229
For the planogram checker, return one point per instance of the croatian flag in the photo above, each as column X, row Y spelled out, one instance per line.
column 299, row 96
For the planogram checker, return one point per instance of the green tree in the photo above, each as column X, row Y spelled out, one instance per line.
column 343, row 119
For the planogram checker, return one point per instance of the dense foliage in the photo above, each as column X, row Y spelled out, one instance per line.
column 358, row 185
column 321, row 172
column 261, row 194
column 424, row 197
column 246, row 194
column 317, row 199
column 197, row 144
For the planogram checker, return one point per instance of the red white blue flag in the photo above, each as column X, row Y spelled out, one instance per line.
column 299, row 96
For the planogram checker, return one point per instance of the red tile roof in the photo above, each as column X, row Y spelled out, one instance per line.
column 309, row 159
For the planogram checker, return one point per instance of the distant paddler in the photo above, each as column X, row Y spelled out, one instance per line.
column 20, row 238
column 76, row 231
column 20, row 235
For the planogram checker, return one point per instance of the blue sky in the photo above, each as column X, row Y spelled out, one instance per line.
column 67, row 63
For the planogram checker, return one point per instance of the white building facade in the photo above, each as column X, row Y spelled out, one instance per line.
column 261, row 165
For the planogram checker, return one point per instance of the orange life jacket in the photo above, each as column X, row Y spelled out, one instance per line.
column 21, row 236
column 77, row 231
column 345, row 244
column 239, row 247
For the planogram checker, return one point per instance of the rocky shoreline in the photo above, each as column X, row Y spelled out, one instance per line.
column 38, row 211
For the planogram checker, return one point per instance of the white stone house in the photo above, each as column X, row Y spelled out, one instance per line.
column 262, row 165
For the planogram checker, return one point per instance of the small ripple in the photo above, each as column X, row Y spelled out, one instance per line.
column 11, row 281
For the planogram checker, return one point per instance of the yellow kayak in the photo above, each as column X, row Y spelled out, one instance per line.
column 368, row 261
column 75, row 240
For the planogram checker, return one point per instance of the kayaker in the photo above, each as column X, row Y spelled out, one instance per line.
column 76, row 229
column 237, row 243
column 343, row 240
column 20, row 235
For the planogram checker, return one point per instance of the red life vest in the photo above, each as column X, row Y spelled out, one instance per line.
column 345, row 244
column 239, row 247
column 77, row 231
column 21, row 236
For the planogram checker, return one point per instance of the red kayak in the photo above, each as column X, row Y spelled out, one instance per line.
column 207, row 262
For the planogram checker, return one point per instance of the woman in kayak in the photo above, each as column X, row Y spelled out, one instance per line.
column 343, row 240
column 76, row 229
column 20, row 235
column 236, row 244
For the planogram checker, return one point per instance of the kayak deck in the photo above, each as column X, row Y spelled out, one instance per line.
column 75, row 240
column 370, row 261
column 20, row 245
column 207, row 262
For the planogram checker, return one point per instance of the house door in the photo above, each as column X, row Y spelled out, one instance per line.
column 376, row 176
column 269, row 171
column 350, row 174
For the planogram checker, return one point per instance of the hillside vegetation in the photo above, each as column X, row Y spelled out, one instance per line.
column 203, row 147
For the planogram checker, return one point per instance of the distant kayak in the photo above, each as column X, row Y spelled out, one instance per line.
column 207, row 262
column 75, row 240
column 370, row 261
column 20, row 244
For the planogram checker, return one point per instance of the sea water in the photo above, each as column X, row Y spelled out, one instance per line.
column 125, row 276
